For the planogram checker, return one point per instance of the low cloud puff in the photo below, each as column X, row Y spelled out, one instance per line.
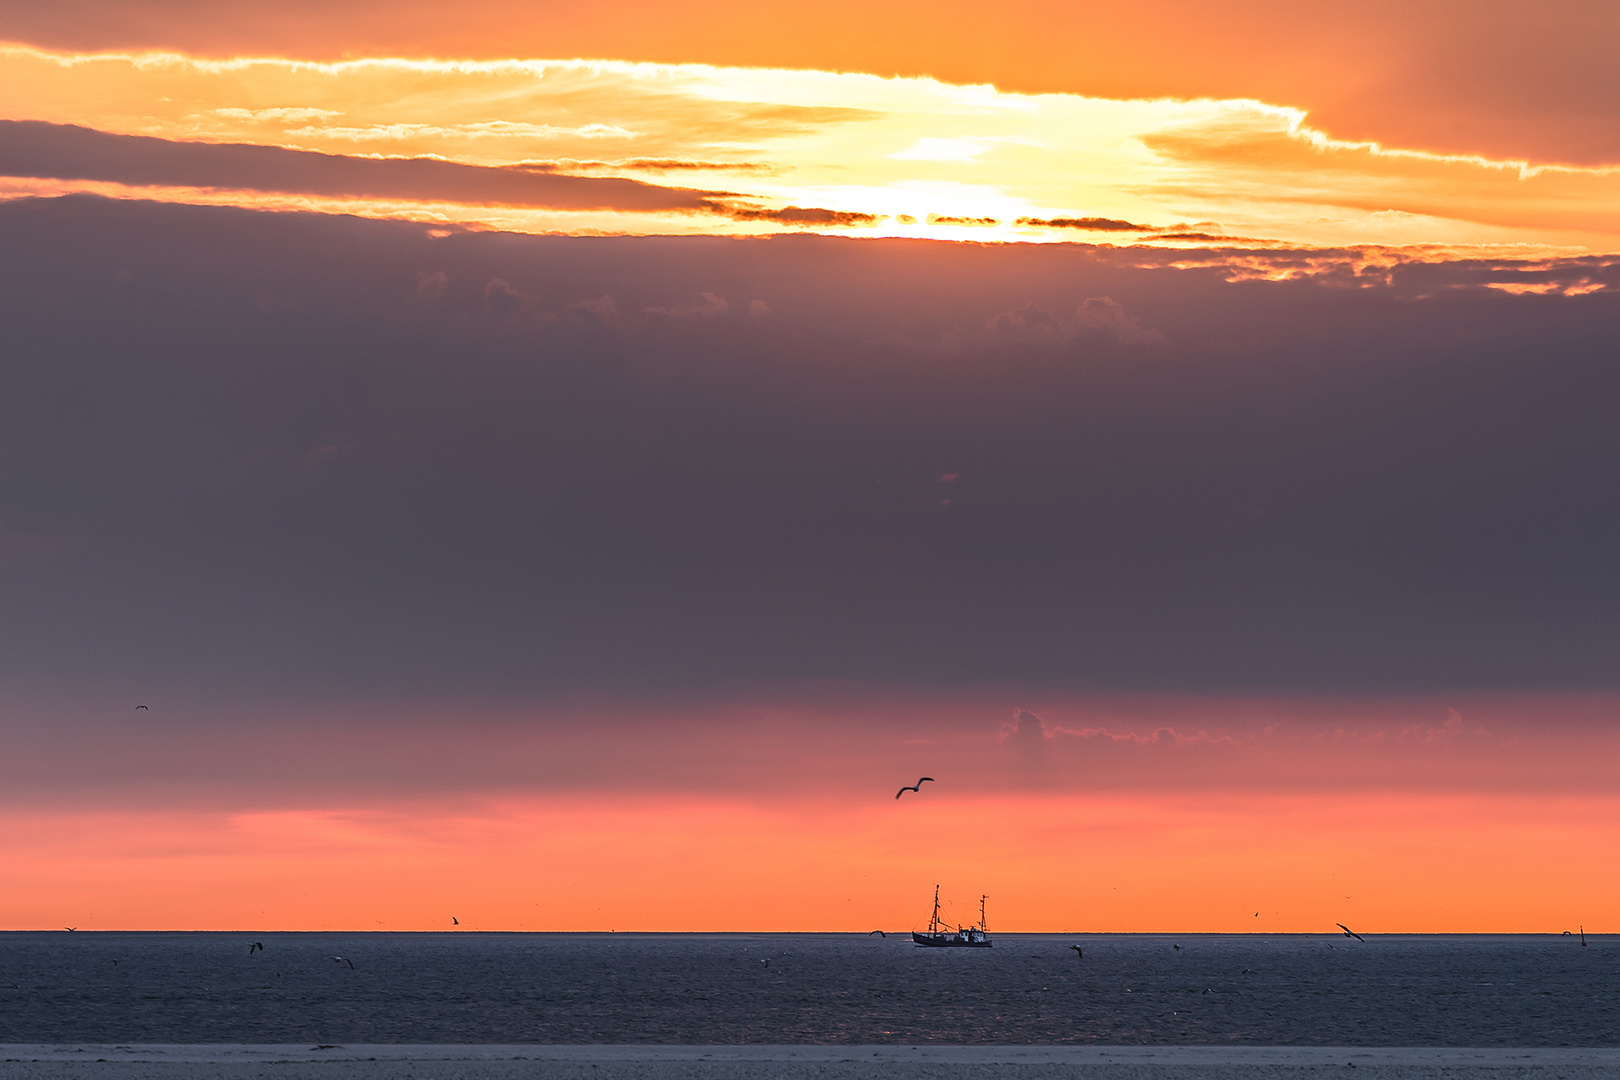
column 1097, row 318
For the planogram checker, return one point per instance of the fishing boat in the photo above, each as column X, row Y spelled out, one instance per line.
column 969, row 937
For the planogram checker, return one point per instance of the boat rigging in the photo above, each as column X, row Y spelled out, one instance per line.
column 937, row 936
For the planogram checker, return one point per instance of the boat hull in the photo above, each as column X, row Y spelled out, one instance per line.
column 951, row 941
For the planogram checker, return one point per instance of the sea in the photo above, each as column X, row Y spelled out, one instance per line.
column 1121, row 989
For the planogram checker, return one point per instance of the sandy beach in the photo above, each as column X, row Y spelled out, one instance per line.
column 574, row 1062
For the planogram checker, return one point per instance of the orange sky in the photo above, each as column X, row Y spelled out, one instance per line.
column 846, row 152
column 1499, row 77
column 1126, row 814
column 1362, row 136
column 1206, row 863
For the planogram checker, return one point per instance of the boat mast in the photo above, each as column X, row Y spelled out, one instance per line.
column 933, row 923
column 982, row 926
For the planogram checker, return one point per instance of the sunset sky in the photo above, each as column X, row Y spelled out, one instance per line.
column 565, row 465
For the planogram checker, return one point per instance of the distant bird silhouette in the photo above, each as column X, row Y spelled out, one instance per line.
column 879, row 933
column 138, row 708
column 344, row 960
column 1176, row 947
column 454, row 921
column 257, row 946
column 1257, row 914
column 1350, row 933
column 70, row 929
column 1078, row 954
column 1583, row 937
column 917, row 787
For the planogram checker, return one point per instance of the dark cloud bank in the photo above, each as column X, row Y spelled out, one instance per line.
column 37, row 150
column 33, row 148
column 297, row 454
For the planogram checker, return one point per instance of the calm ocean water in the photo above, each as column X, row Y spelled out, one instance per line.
column 817, row 988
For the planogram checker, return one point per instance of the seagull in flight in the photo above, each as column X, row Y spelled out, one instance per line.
column 1078, row 953
column 917, row 787
column 1350, row 933
column 257, row 946
column 138, row 708
column 454, row 921
column 344, row 960
column 70, row 929
column 879, row 933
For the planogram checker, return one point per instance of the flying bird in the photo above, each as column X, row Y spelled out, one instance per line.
column 879, row 933
column 70, row 929
column 1176, row 947
column 138, row 708
column 344, row 960
column 917, row 787
column 257, row 946
column 1078, row 954
column 1350, row 933
column 454, row 921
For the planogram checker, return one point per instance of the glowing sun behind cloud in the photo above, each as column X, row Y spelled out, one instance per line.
column 770, row 150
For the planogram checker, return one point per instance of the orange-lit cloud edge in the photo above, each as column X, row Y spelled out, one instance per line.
column 795, row 151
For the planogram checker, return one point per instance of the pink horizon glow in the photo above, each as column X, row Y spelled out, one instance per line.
column 1115, row 813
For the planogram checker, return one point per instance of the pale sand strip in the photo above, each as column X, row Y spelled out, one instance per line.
column 72, row 1061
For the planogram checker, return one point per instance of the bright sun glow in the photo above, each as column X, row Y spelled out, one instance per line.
column 794, row 150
